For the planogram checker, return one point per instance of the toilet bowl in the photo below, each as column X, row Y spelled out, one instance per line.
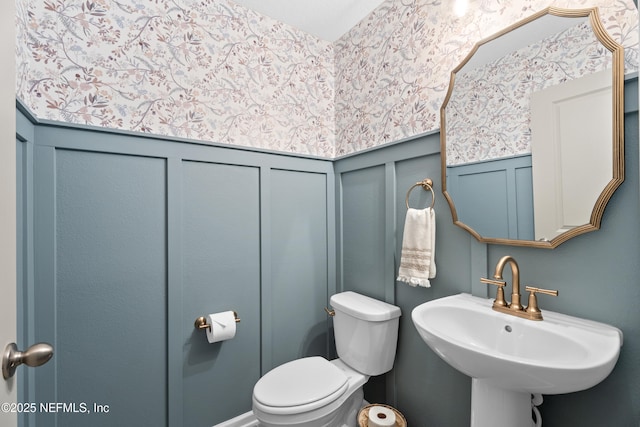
column 315, row 392
column 311, row 391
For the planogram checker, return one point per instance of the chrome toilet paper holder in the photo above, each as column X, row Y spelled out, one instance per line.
column 201, row 322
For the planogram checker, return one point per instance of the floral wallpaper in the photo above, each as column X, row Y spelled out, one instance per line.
column 488, row 113
column 216, row 72
column 393, row 69
column 199, row 69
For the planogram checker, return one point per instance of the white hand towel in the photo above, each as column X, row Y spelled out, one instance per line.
column 417, row 261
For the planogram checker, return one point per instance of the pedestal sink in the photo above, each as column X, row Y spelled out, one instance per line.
column 510, row 358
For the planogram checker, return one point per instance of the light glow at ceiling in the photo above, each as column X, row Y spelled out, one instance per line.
column 460, row 7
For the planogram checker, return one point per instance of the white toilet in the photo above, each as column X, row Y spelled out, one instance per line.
column 315, row 392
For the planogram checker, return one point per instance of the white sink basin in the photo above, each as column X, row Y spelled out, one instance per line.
column 560, row 354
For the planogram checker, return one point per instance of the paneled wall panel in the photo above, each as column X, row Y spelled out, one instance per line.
column 414, row 359
column 363, row 231
column 221, row 272
column 299, row 251
column 494, row 197
column 24, row 251
column 110, row 296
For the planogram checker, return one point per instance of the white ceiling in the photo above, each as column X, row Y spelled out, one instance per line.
column 325, row 19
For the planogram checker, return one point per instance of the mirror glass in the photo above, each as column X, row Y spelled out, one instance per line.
column 532, row 130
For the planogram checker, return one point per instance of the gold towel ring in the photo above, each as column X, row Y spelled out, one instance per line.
column 427, row 184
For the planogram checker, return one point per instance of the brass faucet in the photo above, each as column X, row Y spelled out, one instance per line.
column 515, row 308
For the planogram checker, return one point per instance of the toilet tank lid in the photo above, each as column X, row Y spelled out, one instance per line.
column 364, row 307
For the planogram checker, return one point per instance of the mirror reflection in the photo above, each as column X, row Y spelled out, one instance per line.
column 531, row 131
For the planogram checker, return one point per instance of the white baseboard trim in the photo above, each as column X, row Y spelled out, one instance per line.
column 249, row 420
column 244, row 420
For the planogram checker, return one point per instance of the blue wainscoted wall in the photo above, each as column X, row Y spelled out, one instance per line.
column 372, row 189
column 495, row 197
column 597, row 274
column 125, row 240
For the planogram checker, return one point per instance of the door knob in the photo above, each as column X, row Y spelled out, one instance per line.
column 36, row 355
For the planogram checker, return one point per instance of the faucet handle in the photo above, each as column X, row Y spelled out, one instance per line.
column 532, row 309
column 499, row 301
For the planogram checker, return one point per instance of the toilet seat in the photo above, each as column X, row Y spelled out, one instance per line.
column 299, row 386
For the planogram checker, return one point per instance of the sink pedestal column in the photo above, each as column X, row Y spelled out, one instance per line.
column 493, row 406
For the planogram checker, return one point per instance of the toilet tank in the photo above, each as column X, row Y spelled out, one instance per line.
column 366, row 332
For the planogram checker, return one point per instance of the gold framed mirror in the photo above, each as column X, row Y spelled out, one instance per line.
column 532, row 130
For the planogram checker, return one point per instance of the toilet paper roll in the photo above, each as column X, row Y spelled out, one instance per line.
column 379, row 416
column 222, row 326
